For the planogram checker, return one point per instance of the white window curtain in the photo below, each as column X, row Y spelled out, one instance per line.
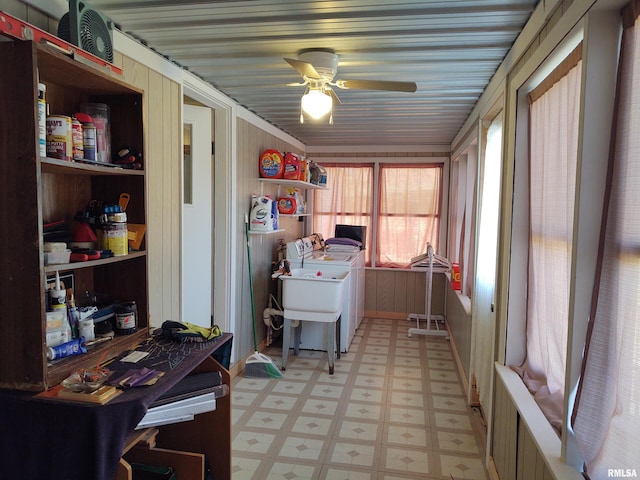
column 457, row 195
column 460, row 248
column 341, row 203
column 486, row 263
column 553, row 146
column 409, row 202
column 607, row 415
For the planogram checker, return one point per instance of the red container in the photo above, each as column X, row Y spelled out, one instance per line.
column 291, row 166
column 287, row 205
column 455, row 276
column 271, row 164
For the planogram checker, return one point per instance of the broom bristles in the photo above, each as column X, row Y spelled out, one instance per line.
column 261, row 366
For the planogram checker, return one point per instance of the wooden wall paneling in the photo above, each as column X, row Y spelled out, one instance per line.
column 420, row 291
column 369, row 290
column 401, row 293
column 505, row 438
column 148, row 81
column 161, row 135
column 155, row 184
column 242, row 338
column 459, row 322
column 176, row 174
column 251, row 141
column 19, row 9
column 385, row 291
column 521, row 473
column 527, row 454
column 411, row 292
column 530, row 463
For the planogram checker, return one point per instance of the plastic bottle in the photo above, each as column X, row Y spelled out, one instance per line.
column 58, row 296
column 72, row 313
column 99, row 112
column 77, row 139
column 291, row 166
column 271, row 164
column 88, row 135
column 42, row 119
column 87, row 329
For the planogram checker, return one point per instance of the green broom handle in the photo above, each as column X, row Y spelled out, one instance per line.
column 253, row 308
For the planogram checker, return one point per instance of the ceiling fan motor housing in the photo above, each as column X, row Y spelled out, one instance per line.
column 325, row 63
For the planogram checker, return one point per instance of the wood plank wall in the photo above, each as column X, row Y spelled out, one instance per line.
column 505, row 437
column 459, row 321
column 162, row 113
column 514, row 451
column 396, row 293
column 251, row 142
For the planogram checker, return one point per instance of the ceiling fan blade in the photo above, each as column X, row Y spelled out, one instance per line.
column 305, row 69
column 332, row 94
column 377, row 85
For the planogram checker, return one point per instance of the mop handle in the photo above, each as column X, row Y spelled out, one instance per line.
column 253, row 309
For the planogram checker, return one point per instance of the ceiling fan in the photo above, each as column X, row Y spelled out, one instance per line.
column 318, row 67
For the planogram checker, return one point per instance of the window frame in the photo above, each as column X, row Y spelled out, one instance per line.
column 600, row 50
column 438, row 156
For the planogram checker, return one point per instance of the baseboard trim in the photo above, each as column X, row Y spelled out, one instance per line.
column 386, row 315
column 458, row 360
column 492, row 471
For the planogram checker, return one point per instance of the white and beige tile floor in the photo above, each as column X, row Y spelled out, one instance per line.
column 394, row 409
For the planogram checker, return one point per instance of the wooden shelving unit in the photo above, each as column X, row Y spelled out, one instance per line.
column 37, row 190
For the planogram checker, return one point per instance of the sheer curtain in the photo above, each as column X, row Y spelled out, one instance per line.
column 484, row 328
column 607, row 415
column 553, row 144
column 409, row 212
column 341, row 203
column 457, row 195
column 461, row 240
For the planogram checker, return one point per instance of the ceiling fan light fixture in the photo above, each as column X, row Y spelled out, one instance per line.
column 316, row 103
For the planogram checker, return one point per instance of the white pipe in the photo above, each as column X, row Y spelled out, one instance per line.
column 269, row 312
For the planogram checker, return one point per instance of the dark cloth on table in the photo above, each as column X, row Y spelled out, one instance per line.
column 49, row 439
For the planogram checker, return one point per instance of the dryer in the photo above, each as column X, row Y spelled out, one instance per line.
column 310, row 252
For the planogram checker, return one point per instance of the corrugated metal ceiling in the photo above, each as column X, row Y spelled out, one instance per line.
column 450, row 48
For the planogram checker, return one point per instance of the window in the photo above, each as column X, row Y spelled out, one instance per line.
column 409, row 212
column 461, row 241
column 348, row 200
column 607, row 414
column 407, row 206
column 553, row 153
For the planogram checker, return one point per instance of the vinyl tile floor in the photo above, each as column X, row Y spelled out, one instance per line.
column 394, row 409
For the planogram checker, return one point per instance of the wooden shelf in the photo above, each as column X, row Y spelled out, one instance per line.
column 293, row 183
column 65, row 167
column 93, row 263
column 266, row 232
column 42, row 190
column 58, row 370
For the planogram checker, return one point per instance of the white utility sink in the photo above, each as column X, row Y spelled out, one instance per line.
column 314, row 290
column 313, row 295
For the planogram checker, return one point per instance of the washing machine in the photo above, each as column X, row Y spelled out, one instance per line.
column 310, row 252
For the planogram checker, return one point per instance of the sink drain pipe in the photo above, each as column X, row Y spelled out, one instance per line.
column 273, row 312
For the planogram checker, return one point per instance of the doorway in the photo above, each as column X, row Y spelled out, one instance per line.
column 197, row 216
